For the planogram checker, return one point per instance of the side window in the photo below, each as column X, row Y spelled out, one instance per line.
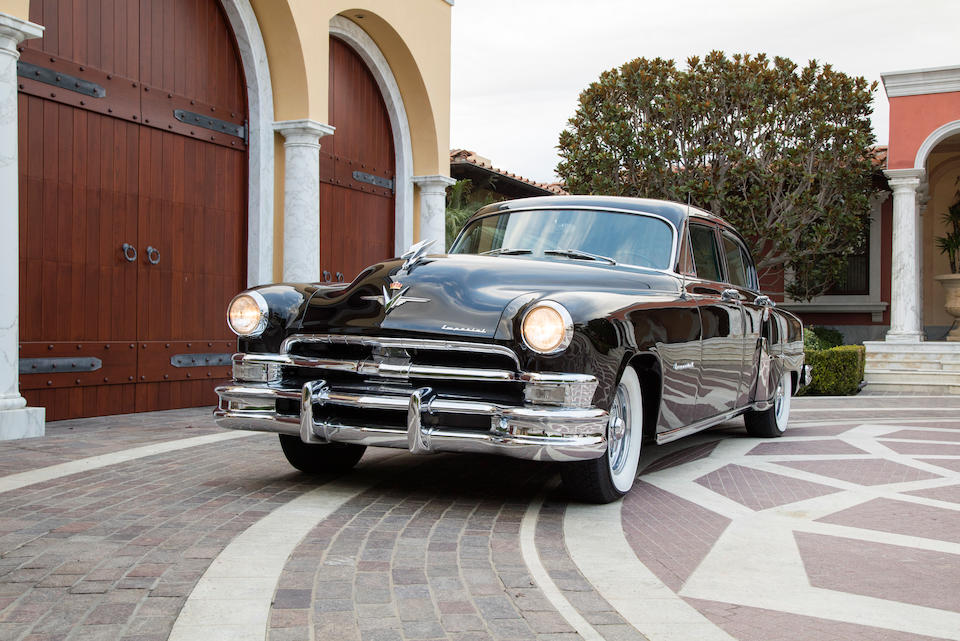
column 736, row 269
column 685, row 262
column 705, row 254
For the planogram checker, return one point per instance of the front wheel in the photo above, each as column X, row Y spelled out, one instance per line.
column 320, row 458
column 608, row 478
column 772, row 422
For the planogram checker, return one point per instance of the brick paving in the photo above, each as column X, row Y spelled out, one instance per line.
column 433, row 551
column 669, row 534
column 758, row 624
column 759, row 490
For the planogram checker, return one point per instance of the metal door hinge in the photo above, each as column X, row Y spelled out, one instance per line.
column 206, row 122
column 54, row 365
column 58, row 79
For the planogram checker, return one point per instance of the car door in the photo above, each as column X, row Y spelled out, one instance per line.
column 722, row 324
column 742, row 276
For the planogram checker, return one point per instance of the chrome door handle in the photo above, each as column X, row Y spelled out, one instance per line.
column 129, row 252
column 730, row 294
column 153, row 254
column 764, row 301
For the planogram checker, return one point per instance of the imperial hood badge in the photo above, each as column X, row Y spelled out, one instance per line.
column 394, row 297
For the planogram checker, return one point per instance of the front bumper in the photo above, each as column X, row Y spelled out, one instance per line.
column 537, row 433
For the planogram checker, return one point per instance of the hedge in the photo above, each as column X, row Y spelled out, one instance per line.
column 836, row 371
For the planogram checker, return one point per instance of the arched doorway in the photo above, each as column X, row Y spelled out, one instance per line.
column 133, row 186
column 357, row 170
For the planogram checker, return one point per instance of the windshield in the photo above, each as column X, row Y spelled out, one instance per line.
column 634, row 239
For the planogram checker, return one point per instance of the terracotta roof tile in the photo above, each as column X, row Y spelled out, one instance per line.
column 470, row 157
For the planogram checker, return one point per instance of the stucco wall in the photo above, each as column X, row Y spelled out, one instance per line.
column 414, row 36
column 913, row 119
column 16, row 8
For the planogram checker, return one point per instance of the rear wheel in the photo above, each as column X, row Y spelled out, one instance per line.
column 608, row 478
column 318, row 459
column 772, row 422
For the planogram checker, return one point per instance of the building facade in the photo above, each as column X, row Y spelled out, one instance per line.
column 157, row 156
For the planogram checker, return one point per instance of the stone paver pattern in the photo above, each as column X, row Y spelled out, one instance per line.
column 845, row 528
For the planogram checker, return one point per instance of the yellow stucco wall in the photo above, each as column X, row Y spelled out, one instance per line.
column 414, row 36
column 16, row 8
column 942, row 172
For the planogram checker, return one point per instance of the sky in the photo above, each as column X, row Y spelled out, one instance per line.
column 519, row 65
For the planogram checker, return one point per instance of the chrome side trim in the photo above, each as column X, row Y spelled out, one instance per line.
column 398, row 343
column 699, row 426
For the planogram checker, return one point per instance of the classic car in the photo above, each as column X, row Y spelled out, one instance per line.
column 569, row 329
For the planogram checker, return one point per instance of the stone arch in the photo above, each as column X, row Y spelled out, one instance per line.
column 260, row 149
column 936, row 137
column 376, row 62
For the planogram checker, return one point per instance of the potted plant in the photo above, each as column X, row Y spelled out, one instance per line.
column 949, row 244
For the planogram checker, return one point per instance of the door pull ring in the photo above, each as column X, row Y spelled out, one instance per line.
column 153, row 254
column 129, row 252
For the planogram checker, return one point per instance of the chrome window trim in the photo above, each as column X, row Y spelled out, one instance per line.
column 617, row 210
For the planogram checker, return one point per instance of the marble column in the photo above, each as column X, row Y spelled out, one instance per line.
column 433, row 209
column 906, row 324
column 301, row 198
column 16, row 419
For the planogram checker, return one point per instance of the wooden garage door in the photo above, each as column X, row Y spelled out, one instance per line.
column 356, row 170
column 133, row 199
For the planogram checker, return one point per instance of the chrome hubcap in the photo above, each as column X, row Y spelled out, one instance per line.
column 779, row 404
column 618, row 432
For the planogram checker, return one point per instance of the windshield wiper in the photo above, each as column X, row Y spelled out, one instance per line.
column 506, row 251
column 576, row 253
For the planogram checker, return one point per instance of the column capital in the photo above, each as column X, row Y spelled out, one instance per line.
column 13, row 31
column 904, row 179
column 303, row 132
column 434, row 183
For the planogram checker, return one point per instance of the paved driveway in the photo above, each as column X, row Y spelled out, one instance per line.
column 162, row 526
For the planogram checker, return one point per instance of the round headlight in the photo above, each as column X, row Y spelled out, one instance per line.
column 247, row 314
column 547, row 328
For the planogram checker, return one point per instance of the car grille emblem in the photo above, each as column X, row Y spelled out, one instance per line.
column 392, row 300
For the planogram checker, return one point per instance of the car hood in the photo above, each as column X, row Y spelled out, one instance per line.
column 464, row 295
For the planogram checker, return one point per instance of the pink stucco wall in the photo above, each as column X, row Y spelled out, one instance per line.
column 913, row 119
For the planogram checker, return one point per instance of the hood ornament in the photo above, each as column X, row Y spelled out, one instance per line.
column 394, row 297
column 415, row 254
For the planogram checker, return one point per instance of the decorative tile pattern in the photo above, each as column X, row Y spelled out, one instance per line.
column 760, row 490
column 862, row 471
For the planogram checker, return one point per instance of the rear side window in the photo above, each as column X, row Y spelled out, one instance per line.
column 705, row 254
column 736, row 269
column 739, row 264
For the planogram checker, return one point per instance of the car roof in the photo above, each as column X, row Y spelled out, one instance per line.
column 676, row 213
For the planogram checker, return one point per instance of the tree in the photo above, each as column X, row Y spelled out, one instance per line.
column 784, row 154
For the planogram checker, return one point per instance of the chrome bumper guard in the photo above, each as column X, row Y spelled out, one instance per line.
column 537, row 433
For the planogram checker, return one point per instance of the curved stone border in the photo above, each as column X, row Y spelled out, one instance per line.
column 233, row 597
column 43, row 474
column 528, row 547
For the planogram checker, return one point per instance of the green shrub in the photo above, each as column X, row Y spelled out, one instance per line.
column 836, row 371
column 819, row 338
